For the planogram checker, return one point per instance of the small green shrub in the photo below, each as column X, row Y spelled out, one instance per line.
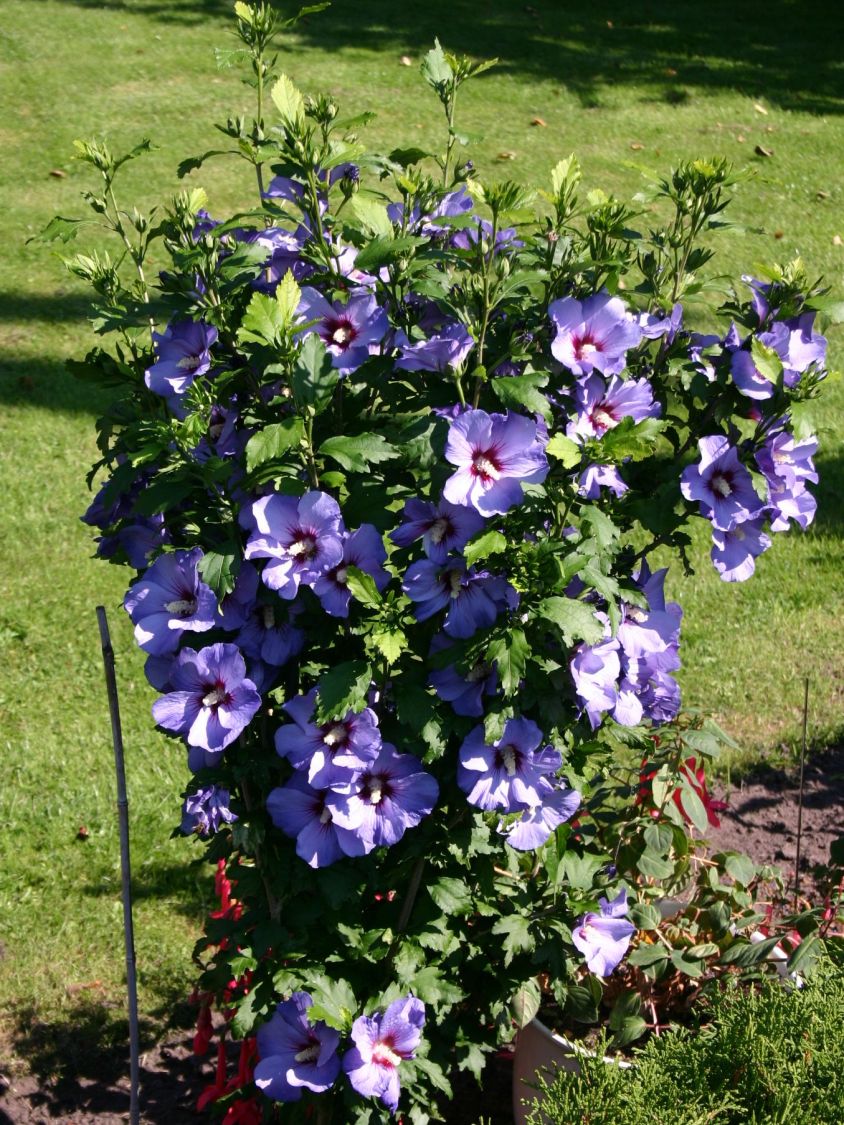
column 760, row 1056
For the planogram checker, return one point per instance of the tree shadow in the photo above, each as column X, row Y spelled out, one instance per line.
column 770, row 49
column 186, row 886
column 44, row 383
column 79, row 1063
column 762, row 814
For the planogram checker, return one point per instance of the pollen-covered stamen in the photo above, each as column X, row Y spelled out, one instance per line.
column 384, row 1055
column 340, row 332
column 509, row 756
column 375, row 793
column 454, row 581
column 268, row 616
column 189, row 362
column 215, row 696
column 325, row 816
column 721, row 485
column 341, row 576
column 484, row 465
column 603, row 420
column 182, row 607
column 479, row 672
column 308, row 1054
column 303, row 547
column 335, row 735
column 439, row 529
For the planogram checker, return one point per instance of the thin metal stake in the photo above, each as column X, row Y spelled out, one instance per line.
column 125, row 867
column 800, row 795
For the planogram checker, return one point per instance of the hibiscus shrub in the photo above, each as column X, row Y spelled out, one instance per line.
column 391, row 454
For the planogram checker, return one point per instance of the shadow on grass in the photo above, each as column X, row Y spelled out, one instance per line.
column 78, row 1064
column 45, row 384
column 772, row 49
column 186, row 886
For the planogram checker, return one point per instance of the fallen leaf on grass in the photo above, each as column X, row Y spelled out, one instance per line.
column 539, row 121
column 822, row 195
column 741, row 138
column 406, row 60
column 760, row 150
column 760, row 108
column 58, row 173
column 837, row 240
column 70, row 989
column 636, row 146
column 670, row 72
column 506, row 155
column 778, row 234
column 82, row 833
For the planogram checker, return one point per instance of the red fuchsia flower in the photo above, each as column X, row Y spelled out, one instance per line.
column 695, row 777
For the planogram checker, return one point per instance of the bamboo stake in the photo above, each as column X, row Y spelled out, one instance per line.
column 125, row 866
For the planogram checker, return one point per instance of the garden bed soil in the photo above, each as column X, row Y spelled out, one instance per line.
column 43, row 1089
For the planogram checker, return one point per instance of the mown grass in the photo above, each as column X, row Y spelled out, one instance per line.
column 647, row 90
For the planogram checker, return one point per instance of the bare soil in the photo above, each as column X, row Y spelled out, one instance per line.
column 77, row 1074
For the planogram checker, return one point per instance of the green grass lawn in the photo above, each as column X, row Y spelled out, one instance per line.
column 665, row 83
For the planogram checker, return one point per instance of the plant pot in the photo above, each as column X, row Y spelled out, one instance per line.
column 541, row 1051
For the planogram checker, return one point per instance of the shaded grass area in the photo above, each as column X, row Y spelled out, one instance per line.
column 654, row 85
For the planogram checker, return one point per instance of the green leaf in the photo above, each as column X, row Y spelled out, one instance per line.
column 58, row 229
column 579, row 871
column 271, row 443
column 342, row 689
column 644, row 916
column 575, row 619
column 523, row 390
column 654, row 866
column 525, row 1002
column 390, row 643
column 362, row 586
column 262, row 322
column 806, row 953
column 490, row 543
column 288, row 294
column 289, row 102
column 435, row 68
column 564, row 450
column 314, row 376
column 372, row 215
column 693, row 806
column 218, row 568
column 517, row 936
column 452, row 896
column 433, row 988
column 739, row 867
column 565, row 172
column 646, row 955
column 629, row 1030
column 685, row 964
column 636, row 440
column 510, row 653
column 765, row 360
column 382, row 251
column 356, row 453
column 334, row 1002
column 658, row 838
column 604, row 530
